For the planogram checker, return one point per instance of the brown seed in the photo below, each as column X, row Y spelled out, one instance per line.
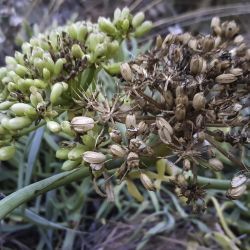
column 162, row 123
column 208, row 43
column 164, row 135
column 142, row 127
column 146, row 181
column 94, row 157
column 193, row 44
column 82, row 124
column 126, row 72
column 186, row 165
column 180, row 112
column 117, row 151
column 225, row 78
column 199, row 101
column 169, row 99
column 238, row 180
column 197, row 65
column 236, row 71
column 182, row 99
column 115, row 135
column 238, row 39
column 133, row 160
column 216, row 164
column 201, row 136
column 230, row 29
column 159, row 42
column 130, row 121
column 235, row 193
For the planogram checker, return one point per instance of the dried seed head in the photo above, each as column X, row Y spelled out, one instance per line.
column 94, row 157
column 238, row 180
column 130, row 121
column 197, row 65
column 159, row 42
column 117, row 151
column 180, row 112
column 185, row 37
column 225, row 78
column 235, row 193
column 215, row 26
column 82, row 124
column 199, row 101
column 186, row 165
column 193, row 44
column 133, row 160
column 169, row 39
column 216, row 164
column 146, row 181
column 162, row 123
column 126, row 72
column 116, row 136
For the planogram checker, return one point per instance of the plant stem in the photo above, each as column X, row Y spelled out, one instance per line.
column 25, row 194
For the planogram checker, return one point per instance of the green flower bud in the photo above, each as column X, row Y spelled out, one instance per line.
column 93, row 40
column 76, row 153
column 5, row 105
column 143, row 28
column 18, row 123
column 59, row 66
column 62, row 153
column 25, row 84
column 76, row 51
column 21, row 109
column 66, row 128
column 3, row 131
column 19, row 57
column 35, row 97
column 125, row 25
column 117, row 15
column 39, row 64
column 100, row 50
column 53, row 126
column 125, row 13
column 40, row 84
column 49, row 63
column 26, row 48
column 112, row 69
column 82, row 33
column 9, row 60
column 56, row 91
column 6, row 153
column 69, row 165
column 106, row 26
column 21, row 70
column 46, row 74
column 138, row 19
column 72, row 30
column 12, row 86
column 112, row 48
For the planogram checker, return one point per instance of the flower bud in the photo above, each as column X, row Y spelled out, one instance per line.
column 94, row 157
column 133, row 160
column 72, row 30
column 113, row 69
column 59, row 66
column 53, row 126
column 216, row 164
column 126, row 72
column 225, row 78
column 21, row 70
column 199, row 101
column 46, row 74
column 56, row 91
column 235, row 193
column 117, row 151
column 106, row 26
column 76, row 153
column 125, row 25
column 138, row 19
column 76, row 51
column 143, row 28
column 146, row 181
column 82, row 32
column 66, row 128
column 238, row 180
column 18, row 123
column 62, row 153
column 130, row 121
column 5, row 105
column 21, row 109
column 6, row 153
column 69, row 165
column 82, row 124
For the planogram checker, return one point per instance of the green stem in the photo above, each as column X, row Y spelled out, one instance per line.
column 25, row 194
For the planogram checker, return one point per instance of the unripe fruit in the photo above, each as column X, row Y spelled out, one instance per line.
column 62, row 153
column 21, row 109
column 69, row 165
column 6, row 153
column 76, row 153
